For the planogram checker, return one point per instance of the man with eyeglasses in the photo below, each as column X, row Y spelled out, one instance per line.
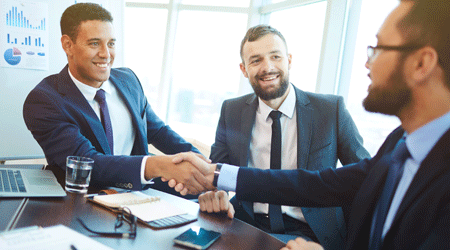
column 399, row 199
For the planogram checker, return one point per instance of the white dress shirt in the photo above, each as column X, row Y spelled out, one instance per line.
column 123, row 132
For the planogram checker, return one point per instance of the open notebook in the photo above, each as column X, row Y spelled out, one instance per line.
column 151, row 210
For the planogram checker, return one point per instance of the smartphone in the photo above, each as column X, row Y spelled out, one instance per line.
column 197, row 238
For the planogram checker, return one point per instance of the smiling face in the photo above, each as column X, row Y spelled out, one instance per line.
column 389, row 92
column 91, row 56
column 266, row 64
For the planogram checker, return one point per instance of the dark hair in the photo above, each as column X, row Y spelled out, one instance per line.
column 428, row 23
column 80, row 12
column 258, row 31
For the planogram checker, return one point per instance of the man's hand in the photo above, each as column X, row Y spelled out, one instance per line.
column 195, row 179
column 216, row 201
column 302, row 244
column 202, row 164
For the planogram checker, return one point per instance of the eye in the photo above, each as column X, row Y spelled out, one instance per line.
column 93, row 43
column 255, row 61
column 111, row 44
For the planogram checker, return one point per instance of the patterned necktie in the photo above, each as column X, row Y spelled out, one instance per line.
column 275, row 215
column 398, row 158
column 106, row 120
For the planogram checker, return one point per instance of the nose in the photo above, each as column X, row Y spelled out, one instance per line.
column 267, row 66
column 367, row 63
column 104, row 51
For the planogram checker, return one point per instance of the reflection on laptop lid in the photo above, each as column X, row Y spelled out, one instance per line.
column 21, row 182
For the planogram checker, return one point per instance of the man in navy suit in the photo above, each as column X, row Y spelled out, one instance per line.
column 393, row 202
column 65, row 116
column 317, row 130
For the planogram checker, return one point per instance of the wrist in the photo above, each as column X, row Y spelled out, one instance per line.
column 216, row 174
column 151, row 168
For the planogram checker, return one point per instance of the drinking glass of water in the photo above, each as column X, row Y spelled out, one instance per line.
column 78, row 173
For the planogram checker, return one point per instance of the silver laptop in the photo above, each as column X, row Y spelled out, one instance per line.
column 18, row 181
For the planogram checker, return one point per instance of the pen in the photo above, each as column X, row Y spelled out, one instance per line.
column 72, row 247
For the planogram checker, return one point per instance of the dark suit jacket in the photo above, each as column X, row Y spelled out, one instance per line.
column 326, row 133
column 63, row 123
column 422, row 220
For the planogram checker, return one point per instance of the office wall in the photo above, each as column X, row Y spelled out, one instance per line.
column 16, row 142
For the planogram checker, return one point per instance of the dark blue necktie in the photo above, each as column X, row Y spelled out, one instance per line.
column 275, row 215
column 398, row 158
column 106, row 120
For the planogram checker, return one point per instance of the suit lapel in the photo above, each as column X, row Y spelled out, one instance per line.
column 248, row 115
column 304, row 127
column 365, row 201
column 127, row 95
column 434, row 165
column 67, row 88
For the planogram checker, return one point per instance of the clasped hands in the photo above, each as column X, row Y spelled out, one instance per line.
column 187, row 173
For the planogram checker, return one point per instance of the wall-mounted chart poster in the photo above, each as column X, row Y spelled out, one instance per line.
column 24, row 36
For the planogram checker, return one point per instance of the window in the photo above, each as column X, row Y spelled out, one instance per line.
column 205, row 70
column 145, row 31
column 304, row 41
column 373, row 127
column 232, row 3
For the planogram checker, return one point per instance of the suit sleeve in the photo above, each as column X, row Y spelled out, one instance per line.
column 59, row 135
column 219, row 150
column 303, row 188
column 350, row 142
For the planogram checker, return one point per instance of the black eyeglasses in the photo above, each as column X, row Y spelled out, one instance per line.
column 372, row 52
column 124, row 215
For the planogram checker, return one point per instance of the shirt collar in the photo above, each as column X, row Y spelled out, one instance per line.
column 287, row 108
column 421, row 141
column 88, row 91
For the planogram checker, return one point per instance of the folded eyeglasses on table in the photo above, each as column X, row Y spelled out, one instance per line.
column 123, row 215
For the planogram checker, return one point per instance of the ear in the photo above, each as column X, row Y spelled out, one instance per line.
column 289, row 60
column 425, row 63
column 242, row 66
column 67, row 44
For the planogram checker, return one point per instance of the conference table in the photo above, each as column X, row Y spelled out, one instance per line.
column 45, row 212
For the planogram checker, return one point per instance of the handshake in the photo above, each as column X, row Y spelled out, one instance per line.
column 188, row 173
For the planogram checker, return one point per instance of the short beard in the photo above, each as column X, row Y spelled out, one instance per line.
column 267, row 96
column 392, row 99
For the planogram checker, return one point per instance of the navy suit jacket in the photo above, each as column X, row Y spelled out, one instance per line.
column 326, row 133
column 63, row 123
column 421, row 222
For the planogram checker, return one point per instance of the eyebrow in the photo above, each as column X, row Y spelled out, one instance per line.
column 98, row 39
column 271, row 52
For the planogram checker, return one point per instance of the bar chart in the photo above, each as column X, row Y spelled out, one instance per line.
column 16, row 18
column 24, row 36
column 24, row 40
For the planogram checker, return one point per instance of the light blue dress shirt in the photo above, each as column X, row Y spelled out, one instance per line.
column 419, row 144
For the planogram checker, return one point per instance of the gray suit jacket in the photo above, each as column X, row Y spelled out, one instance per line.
column 326, row 133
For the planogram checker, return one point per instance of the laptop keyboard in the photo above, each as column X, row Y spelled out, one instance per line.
column 11, row 181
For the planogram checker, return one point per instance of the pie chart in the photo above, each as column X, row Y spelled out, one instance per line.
column 13, row 56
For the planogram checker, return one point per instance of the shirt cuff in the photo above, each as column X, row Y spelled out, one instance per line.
column 228, row 178
column 143, row 164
